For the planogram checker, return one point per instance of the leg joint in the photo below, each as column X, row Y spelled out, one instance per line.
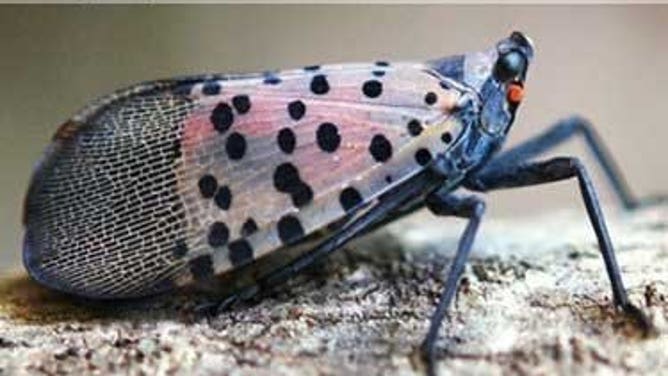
column 578, row 124
column 577, row 166
column 446, row 204
column 560, row 168
column 478, row 209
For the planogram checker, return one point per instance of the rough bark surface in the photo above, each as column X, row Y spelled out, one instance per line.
column 534, row 299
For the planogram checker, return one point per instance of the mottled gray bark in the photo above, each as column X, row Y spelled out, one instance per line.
column 535, row 299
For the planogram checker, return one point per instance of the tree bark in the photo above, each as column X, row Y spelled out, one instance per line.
column 534, row 299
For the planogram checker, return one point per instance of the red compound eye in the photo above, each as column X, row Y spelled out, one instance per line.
column 515, row 93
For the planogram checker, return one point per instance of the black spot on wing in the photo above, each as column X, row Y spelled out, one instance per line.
column 211, row 88
column 249, row 227
column 235, row 146
column 372, row 88
column 241, row 103
column 271, row 80
column 430, row 98
column 222, row 117
column 350, row 198
column 328, row 138
column 287, row 180
column 423, row 157
column 296, row 109
column 223, row 197
column 183, row 89
column 319, row 84
column 446, row 137
column 290, row 229
column 207, row 185
column 286, row 140
column 302, row 195
column 219, row 234
column 241, row 252
column 380, row 148
column 286, row 176
column 414, row 127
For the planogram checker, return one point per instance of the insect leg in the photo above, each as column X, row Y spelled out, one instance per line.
column 532, row 173
column 561, row 132
column 470, row 207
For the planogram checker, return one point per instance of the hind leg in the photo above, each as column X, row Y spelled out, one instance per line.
column 531, row 173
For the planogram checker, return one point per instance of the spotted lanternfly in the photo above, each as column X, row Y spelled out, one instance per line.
column 172, row 182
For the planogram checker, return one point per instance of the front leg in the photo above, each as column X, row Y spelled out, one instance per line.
column 563, row 131
column 532, row 173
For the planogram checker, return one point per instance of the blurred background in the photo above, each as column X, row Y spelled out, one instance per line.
column 605, row 62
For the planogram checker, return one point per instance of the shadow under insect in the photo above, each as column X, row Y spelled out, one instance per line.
column 25, row 301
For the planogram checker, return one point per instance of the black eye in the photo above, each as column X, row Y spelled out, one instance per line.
column 509, row 65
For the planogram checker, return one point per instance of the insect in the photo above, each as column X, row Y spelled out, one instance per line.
column 176, row 181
